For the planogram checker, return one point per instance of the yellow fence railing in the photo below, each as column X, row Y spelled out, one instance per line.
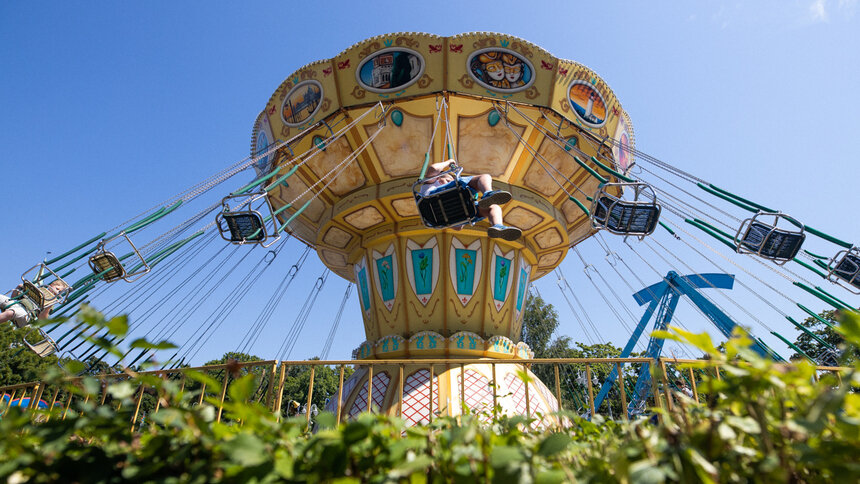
column 272, row 375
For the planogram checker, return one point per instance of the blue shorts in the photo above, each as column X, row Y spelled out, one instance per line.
column 463, row 180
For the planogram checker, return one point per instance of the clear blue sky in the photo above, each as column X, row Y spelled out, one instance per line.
column 108, row 108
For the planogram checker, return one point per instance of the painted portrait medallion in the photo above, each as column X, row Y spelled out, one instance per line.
column 588, row 103
column 500, row 70
column 390, row 70
column 301, row 103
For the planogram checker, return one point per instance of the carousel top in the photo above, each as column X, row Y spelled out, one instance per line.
column 355, row 130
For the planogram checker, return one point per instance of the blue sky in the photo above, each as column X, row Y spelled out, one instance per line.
column 109, row 108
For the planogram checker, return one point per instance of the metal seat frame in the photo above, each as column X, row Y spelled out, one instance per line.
column 103, row 260
column 754, row 222
column 840, row 267
column 37, row 292
column 248, row 205
column 606, row 202
column 447, row 208
column 46, row 347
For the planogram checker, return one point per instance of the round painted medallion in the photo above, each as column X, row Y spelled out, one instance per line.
column 588, row 103
column 500, row 70
column 301, row 103
column 390, row 70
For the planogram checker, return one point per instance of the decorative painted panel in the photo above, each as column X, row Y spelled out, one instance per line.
column 522, row 286
column 501, row 275
column 363, row 285
column 385, row 270
column 465, row 264
column 422, row 267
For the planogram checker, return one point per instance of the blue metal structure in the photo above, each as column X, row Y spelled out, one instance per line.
column 663, row 298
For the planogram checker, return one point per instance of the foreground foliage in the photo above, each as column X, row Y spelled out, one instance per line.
column 759, row 423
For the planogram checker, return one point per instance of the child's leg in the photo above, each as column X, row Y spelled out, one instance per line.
column 7, row 315
column 493, row 214
column 482, row 183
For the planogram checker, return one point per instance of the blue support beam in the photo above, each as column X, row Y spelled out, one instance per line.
column 663, row 298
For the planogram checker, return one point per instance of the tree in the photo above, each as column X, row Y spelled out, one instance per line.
column 326, row 383
column 820, row 352
column 17, row 363
column 540, row 321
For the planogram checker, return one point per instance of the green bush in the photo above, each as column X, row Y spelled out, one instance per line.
column 761, row 422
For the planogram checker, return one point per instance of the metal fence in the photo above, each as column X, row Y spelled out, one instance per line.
column 572, row 380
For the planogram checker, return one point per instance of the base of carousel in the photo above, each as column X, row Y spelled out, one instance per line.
column 450, row 396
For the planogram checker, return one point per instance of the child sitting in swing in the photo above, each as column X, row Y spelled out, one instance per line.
column 20, row 311
column 488, row 205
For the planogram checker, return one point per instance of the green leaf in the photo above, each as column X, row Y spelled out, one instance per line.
column 326, row 420
column 551, row 477
column 118, row 326
column 142, row 343
column 246, row 450
column 553, row 444
column 121, row 390
column 647, row 472
column 242, row 388
column 504, row 456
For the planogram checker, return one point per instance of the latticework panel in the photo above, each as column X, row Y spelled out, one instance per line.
column 416, row 397
column 380, row 386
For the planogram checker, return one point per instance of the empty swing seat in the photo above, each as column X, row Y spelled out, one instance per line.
column 244, row 226
column 848, row 269
column 770, row 242
column 107, row 261
column 626, row 217
column 45, row 347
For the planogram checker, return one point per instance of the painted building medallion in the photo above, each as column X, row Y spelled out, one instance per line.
column 588, row 103
column 301, row 103
column 390, row 70
column 500, row 70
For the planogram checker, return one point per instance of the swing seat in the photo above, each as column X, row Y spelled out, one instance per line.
column 243, row 227
column 625, row 217
column 247, row 224
column 848, row 268
column 107, row 261
column 45, row 347
column 111, row 268
column 769, row 241
column 448, row 207
column 41, row 296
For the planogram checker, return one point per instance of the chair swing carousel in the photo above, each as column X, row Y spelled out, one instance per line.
column 359, row 203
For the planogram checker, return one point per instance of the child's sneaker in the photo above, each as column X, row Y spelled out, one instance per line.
column 495, row 197
column 504, row 232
